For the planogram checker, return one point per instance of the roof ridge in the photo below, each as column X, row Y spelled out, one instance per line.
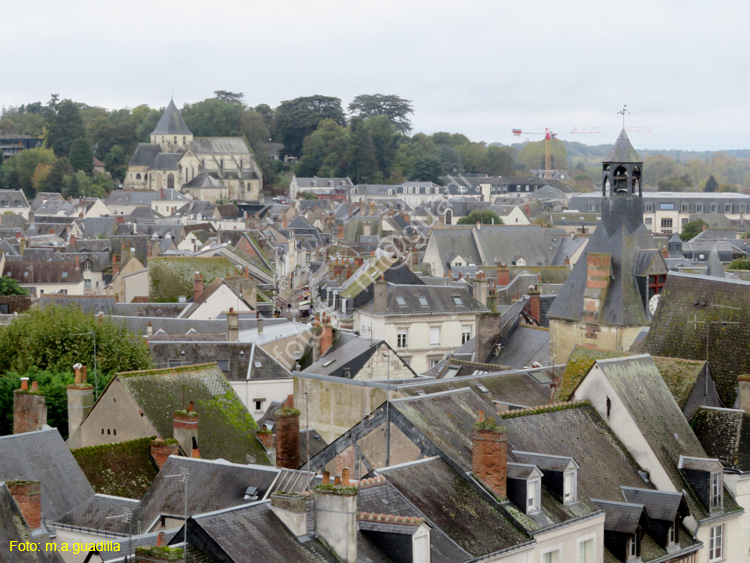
column 390, row 518
column 159, row 371
column 552, row 407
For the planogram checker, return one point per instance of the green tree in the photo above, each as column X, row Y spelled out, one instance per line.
column 485, row 217
column 55, row 338
column 676, row 183
column 395, row 108
column 147, row 119
column 325, row 151
column 116, row 162
column 9, row 286
column 64, row 125
column 499, row 161
column 59, row 176
column 692, row 229
column 298, row 118
column 426, row 169
column 80, row 155
column 213, row 118
column 363, row 165
column 385, row 139
column 22, row 166
column 533, row 154
column 229, row 97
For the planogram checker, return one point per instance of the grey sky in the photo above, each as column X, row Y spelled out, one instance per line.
column 479, row 68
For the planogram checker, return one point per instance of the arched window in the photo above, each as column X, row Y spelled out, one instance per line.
column 138, row 176
column 170, row 181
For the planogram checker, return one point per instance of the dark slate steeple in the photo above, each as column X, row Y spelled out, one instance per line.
column 621, row 187
column 171, row 122
column 675, row 246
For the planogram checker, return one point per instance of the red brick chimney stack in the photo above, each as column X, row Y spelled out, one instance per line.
column 161, row 450
column 287, row 435
column 29, row 408
column 489, row 455
column 198, row 286
column 503, row 276
column 28, row 497
column 535, row 304
column 326, row 339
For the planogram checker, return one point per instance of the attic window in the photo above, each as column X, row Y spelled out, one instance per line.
column 258, row 365
column 65, row 275
column 400, row 301
column 457, row 300
column 716, row 491
column 482, row 388
column 423, row 301
column 328, row 363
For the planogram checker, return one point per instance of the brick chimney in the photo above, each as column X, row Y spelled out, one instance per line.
column 72, row 240
column 336, row 519
column 29, row 408
column 284, row 222
column 535, row 304
column 326, row 339
column 80, row 399
column 233, row 325
column 358, row 261
column 340, row 232
column 115, row 265
column 489, row 455
column 194, row 451
column 287, row 435
column 380, row 301
column 28, row 497
column 198, row 286
column 598, row 272
column 185, row 428
column 503, row 276
column 743, row 382
column 161, row 450
column 120, row 219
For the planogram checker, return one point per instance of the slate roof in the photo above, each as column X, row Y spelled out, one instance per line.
column 166, row 161
column 441, row 494
column 226, row 427
column 43, row 456
column 640, row 387
column 621, row 516
column 145, row 155
column 171, row 122
column 660, row 505
column 580, row 433
column 43, row 272
column 219, row 145
column 212, row 485
column 623, row 151
column 204, row 180
column 88, row 304
column 704, row 298
column 525, row 346
column 122, row 469
column 724, row 434
column 13, row 527
column 97, row 514
column 439, row 299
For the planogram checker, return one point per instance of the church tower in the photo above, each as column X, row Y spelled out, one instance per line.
column 172, row 133
column 608, row 296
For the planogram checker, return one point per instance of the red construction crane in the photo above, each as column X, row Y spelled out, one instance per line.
column 549, row 136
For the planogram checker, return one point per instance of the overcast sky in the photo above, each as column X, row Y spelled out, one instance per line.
column 479, row 68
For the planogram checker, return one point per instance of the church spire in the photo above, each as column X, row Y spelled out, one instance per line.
column 621, row 170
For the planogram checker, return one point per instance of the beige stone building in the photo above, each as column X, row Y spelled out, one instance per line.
column 176, row 159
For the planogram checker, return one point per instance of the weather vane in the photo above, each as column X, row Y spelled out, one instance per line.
column 622, row 112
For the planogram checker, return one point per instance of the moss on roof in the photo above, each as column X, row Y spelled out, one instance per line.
column 173, row 276
column 225, row 427
column 371, row 272
column 679, row 375
column 579, row 364
column 124, row 469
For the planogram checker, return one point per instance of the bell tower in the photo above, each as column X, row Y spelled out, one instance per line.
column 621, row 171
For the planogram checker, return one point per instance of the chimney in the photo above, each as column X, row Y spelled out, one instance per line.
column 120, row 219
column 115, row 265
column 161, row 193
column 489, row 455
column 51, row 231
column 358, row 261
column 480, row 287
column 72, row 240
column 185, row 428
column 266, row 438
column 287, row 435
column 28, row 497
column 78, row 263
column 743, row 382
column 149, row 329
column 284, row 222
column 340, row 232
column 527, row 210
column 599, row 266
column 233, row 325
column 290, row 509
column 567, row 261
column 503, row 276
column 326, row 339
column 194, row 451
column 260, row 322
column 29, row 408
column 380, row 296
column 162, row 449
column 198, row 286
column 80, row 399
column 336, row 519
column 535, row 302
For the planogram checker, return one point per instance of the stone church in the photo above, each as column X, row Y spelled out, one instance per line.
column 614, row 288
column 208, row 168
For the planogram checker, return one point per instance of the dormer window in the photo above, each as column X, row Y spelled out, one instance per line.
column 716, row 491
column 534, row 496
column 633, row 549
column 672, row 535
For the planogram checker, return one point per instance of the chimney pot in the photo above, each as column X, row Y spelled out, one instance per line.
column 160, row 541
column 326, row 478
column 345, row 476
column 35, row 386
column 337, row 481
column 24, row 383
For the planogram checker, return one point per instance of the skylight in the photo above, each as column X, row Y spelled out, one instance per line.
column 423, row 301
column 457, row 300
column 400, row 301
